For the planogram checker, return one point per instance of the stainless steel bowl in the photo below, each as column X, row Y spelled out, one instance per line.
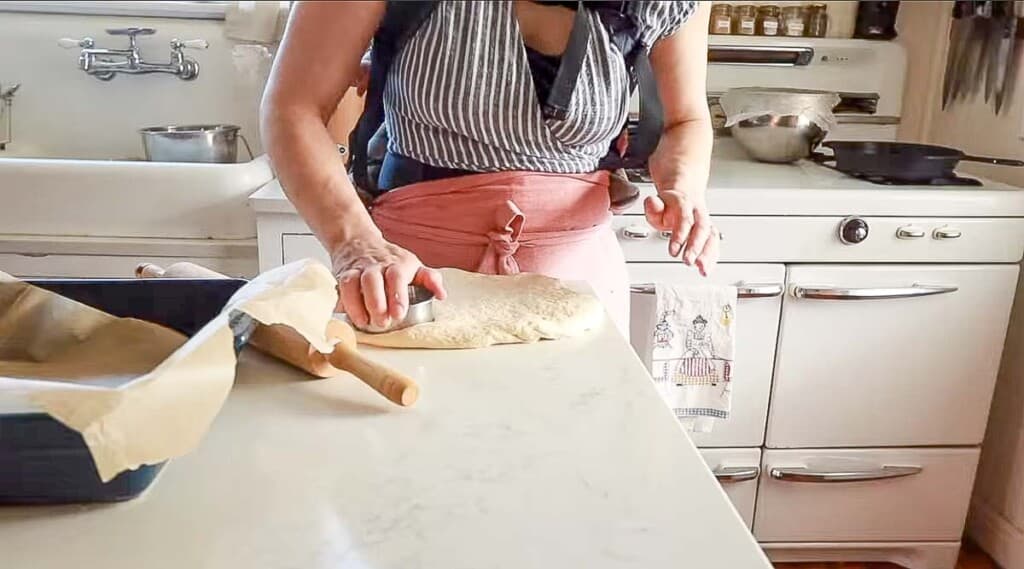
column 211, row 143
column 778, row 138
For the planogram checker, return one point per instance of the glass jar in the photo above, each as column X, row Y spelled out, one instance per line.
column 793, row 21
column 721, row 19
column 817, row 20
column 744, row 20
column 767, row 21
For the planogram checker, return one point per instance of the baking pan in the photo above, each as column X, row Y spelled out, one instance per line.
column 44, row 462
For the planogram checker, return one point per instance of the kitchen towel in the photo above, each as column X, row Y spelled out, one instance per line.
column 693, row 342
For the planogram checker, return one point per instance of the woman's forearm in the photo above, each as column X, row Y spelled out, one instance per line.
column 313, row 176
column 683, row 158
column 315, row 66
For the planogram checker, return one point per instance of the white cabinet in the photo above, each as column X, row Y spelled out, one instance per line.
column 917, row 369
column 298, row 246
column 757, row 318
column 901, row 495
column 737, row 470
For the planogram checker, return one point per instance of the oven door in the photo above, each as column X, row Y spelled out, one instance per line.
column 888, row 355
column 757, row 323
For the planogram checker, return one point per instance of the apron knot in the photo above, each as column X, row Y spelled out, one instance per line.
column 503, row 241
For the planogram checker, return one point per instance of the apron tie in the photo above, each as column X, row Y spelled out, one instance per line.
column 503, row 242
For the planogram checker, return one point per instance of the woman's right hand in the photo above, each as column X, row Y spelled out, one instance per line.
column 373, row 281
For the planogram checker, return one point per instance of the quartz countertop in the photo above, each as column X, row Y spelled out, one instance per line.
column 741, row 186
column 549, row 455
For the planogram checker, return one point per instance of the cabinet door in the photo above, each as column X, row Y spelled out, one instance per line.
column 737, row 470
column 757, row 324
column 864, row 495
column 888, row 355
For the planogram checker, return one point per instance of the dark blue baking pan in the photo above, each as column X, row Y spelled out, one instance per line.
column 44, row 462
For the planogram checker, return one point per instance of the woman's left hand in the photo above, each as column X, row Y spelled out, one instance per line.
column 693, row 235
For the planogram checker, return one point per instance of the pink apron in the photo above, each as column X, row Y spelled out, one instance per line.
column 509, row 222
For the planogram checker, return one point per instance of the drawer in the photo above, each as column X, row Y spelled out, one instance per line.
column 757, row 319
column 295, row 247
column 737, row 471
column 887, row 495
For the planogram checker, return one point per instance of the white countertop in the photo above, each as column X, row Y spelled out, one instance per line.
column 741, row 186
column 553, row 455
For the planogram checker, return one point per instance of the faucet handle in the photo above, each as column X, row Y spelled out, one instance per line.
column 131, row 31
column 69, row 43
column 189, row 44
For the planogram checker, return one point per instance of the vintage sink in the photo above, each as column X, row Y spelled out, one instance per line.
column 126, row 198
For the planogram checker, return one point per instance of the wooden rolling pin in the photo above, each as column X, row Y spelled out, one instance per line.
column 284, row 343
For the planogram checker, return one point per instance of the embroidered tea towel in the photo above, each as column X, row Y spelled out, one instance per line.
column 692, row 352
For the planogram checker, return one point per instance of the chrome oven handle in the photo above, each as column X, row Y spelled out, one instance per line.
column 743, row 290
column 881, row 293
column 827, row 476
column 731, row 474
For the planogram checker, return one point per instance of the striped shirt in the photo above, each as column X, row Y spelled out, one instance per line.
column 461, row 95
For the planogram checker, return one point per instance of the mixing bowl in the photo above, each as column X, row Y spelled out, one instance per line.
column 778, row 138
column 216, row 143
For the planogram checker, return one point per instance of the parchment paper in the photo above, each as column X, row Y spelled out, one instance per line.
column 137, row 392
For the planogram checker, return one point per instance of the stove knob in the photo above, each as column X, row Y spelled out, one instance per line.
column 853, row 230
column 636, row 232
column 909, row 232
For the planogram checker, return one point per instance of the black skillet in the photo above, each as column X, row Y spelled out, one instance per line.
column 900, row 161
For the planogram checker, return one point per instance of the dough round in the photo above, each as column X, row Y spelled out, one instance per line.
column 483, row 310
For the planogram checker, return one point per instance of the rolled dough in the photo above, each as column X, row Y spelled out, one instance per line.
column 483, row 310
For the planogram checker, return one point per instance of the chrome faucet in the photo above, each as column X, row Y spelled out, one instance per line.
column 104, row 64
column 6, row 102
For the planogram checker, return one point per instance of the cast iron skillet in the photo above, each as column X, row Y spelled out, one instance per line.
column 901, row 161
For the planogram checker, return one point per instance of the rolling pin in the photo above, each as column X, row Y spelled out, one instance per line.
column 284, row 343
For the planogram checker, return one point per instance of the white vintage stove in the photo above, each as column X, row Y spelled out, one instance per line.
column 870, row 328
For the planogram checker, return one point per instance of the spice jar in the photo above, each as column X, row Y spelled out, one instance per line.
column 767, row 21
column 721, row 19
column 744, row 19
column 793, row 21
column 817, row 20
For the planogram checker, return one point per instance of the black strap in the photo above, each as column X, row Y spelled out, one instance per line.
column 557, row 104
column 624, row 32
column 644, row 139
column 401, row 20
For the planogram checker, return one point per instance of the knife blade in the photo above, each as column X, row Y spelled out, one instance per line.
column 1008, row 29
column 998, row 48
column 957, row 35
column 1009, row 79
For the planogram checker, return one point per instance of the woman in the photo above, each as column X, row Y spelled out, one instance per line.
column 485, row 181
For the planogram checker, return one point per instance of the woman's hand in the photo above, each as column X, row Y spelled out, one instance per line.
column 373, row 281
column 693, row 235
